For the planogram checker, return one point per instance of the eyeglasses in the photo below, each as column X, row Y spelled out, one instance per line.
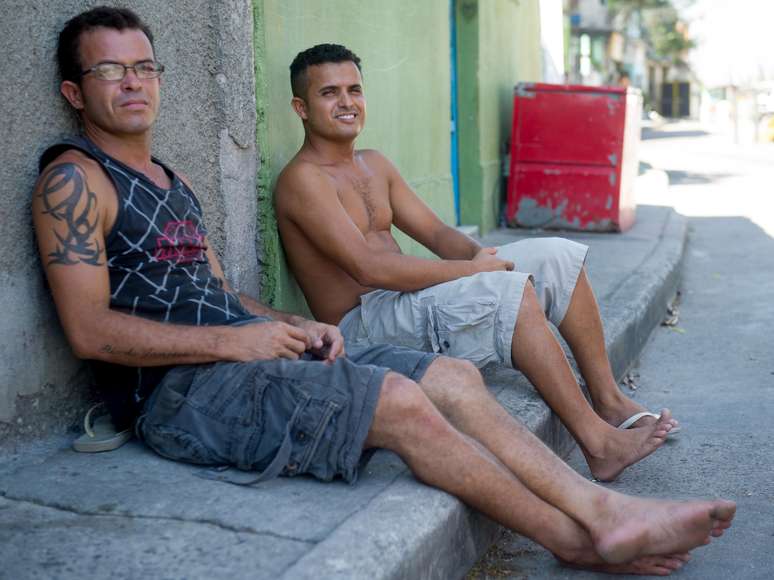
column 115, row 71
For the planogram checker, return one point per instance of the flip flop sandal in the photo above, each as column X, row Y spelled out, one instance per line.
column 101, row 434
column 629, row 423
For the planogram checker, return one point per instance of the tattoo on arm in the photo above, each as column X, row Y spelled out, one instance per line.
column 144, row 353
column 66, row 197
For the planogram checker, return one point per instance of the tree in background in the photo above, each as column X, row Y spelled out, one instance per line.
column 666, row 32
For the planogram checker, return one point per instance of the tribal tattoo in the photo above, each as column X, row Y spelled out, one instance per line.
column 66, row 198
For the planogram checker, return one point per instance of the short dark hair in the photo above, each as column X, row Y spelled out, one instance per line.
column 68, row 54
column 319, row 54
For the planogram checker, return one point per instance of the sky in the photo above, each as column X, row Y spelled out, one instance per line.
column 736, row 40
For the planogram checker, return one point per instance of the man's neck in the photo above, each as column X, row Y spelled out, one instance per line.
column 329, row 152
column 131, row 150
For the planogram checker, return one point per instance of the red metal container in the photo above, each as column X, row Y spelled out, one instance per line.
column 573, row 157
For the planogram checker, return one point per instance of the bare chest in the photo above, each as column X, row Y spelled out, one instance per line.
column 366, row 199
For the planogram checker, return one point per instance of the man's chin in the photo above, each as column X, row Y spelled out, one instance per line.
column 136, row 126
column 345, row 134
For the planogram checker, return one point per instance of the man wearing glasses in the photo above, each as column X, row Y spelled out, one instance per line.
column 217, row 378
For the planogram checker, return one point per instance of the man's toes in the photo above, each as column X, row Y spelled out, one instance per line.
column 674, row 563
column 724, row 511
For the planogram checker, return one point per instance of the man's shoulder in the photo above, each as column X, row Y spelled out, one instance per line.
column 300, row 167
column 79, row 164
column 373, row 155
column 378, row 163
column 300, row 177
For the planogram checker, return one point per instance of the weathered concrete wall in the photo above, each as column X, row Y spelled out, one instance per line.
column 404, row 46
column 206, row 131
column 498, row 46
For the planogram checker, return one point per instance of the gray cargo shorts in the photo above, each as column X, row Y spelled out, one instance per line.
column 277, row 417
column 472, row 318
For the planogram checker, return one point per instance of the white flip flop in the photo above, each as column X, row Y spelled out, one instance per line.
column 101, row 435
column 637, row 416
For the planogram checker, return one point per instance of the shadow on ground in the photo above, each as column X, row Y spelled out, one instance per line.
column 648, row 133
column 680, row 177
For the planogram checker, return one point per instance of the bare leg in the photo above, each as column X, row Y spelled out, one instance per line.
column 438, row 454
column 621, row 528
column 538, row 506
column 582, row 329
column 537, row 353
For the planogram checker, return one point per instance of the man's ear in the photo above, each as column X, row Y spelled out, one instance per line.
column 72, row 92
column 299, row 106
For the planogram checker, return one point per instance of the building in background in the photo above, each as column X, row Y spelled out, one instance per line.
column 639, row 43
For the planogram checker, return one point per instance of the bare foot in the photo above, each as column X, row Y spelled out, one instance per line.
column 617, row 411
column 620, row 449
column 644, row 566
column 628, row 528
column 572, row 546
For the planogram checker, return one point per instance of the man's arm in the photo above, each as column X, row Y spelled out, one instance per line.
column 72, row 202
column 308, row 198
column 323, row 340
column 414, row 218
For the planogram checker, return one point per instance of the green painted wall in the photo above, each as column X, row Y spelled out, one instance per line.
column 404, row 47
column 498, row 46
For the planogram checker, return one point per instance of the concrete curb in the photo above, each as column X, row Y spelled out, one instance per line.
column 633, row 309
column 413, row 531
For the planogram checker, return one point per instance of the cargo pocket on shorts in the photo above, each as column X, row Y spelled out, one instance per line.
column 308, row 432
column 161, row 431
column 301, row 439
column 176, row 444
column 464, row 331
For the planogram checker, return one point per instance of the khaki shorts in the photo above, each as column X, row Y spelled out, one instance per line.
column 472, row 318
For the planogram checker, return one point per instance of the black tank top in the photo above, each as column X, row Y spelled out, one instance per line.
column 158, row 268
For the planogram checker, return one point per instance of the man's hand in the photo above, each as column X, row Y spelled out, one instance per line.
column 486, row 260
column 269, row 340
column 326, row 340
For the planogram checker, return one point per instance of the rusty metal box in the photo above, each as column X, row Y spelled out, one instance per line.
column 573, row 157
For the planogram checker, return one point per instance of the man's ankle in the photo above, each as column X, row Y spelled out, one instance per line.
column 609, row 400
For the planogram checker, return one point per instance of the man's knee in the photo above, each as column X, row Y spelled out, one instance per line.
column 452, row 381
column 403, row 414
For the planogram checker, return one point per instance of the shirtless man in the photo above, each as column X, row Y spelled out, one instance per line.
column 335, row 206
column 99, row 206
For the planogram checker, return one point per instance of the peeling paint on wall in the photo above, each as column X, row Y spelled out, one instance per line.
column 531, row 213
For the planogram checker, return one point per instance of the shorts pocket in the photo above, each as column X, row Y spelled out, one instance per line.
column 308, row 434
column 286, row 410
column 177, row 444
column 465, row 330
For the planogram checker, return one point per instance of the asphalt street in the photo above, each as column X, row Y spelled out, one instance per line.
column 714, row 368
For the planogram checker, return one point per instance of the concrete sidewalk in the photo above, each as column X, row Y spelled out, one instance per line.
column 131, row 514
